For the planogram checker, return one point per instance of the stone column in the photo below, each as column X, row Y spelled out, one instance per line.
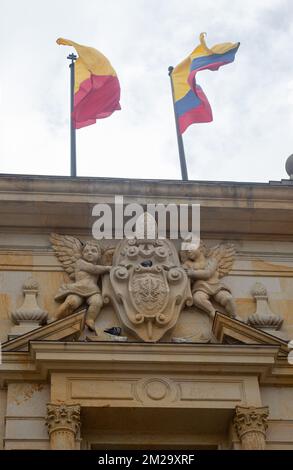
column 63, row 422
column 251, row 425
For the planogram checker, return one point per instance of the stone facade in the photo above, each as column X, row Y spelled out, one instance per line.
column 185, row 378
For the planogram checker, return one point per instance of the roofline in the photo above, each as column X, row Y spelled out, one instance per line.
column 21, row 176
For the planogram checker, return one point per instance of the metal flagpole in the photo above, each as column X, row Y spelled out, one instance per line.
column 184, row 174
column 72, row 57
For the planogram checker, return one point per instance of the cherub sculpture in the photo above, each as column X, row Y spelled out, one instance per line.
column 205, row 268
column 80, row 261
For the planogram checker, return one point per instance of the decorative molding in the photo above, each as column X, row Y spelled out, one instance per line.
column 224, row 327
column 62, row 418
column 30, row 310
column 260, row 360
column 157, row 389
column 29, row 316
column 251, row 418
column 172, row 389
column 263, row 318
column 45, row 261
column 251, row 425
column 270, row 256
column 154, row 287
column 55, row 331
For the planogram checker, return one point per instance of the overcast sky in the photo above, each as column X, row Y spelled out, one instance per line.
column 252, row 98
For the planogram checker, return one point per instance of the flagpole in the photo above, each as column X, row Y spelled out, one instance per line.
column 182, row 158
column 72, row 57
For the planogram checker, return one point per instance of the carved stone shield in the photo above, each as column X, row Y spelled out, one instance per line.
column 149, row 291
column 147, row 287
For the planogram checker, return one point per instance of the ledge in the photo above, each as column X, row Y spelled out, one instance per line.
column 65, row 204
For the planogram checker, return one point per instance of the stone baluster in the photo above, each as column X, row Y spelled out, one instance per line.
column 251, row 425
column 63, row 422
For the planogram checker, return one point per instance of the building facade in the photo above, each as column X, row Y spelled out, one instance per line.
column 188, row 360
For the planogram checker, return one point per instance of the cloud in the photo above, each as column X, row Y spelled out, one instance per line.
column 249, row 138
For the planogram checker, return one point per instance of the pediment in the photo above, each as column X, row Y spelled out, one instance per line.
column 225, row 330
column 66, row 329
column 230, row 331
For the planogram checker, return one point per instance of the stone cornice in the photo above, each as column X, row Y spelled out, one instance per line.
column 92, row 186
column 47, row 356
column 51, row 348
column 64, row 203
column 88, row 191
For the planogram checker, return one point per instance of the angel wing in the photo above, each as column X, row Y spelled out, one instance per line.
column 68, row 250
column 225, row 256
column 107, row 256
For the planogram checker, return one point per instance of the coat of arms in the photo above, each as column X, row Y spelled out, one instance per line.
column 147, row 287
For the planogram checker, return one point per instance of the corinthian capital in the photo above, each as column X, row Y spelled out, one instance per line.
column 251, row 419
column 63, row 418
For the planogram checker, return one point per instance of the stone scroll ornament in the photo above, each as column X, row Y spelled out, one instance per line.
column 85, row 263
column 205, row 268
column 147, row 287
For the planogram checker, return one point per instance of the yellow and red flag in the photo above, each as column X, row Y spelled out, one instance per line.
column 96, row 86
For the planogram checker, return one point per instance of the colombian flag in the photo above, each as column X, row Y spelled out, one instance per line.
column 191, row 104
column 96, row 86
